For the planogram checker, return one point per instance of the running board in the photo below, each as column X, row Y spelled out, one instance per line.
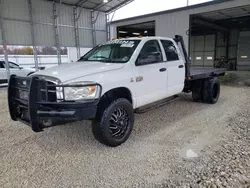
column 156, row 104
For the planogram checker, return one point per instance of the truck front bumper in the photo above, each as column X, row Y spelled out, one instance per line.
column 33, row 101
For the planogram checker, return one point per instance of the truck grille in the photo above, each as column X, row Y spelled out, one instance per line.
column 47, row 92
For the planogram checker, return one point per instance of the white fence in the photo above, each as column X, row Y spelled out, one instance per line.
column 43, row 60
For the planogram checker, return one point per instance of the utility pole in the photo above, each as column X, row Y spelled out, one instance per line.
column 187, row 2
column 4, row 42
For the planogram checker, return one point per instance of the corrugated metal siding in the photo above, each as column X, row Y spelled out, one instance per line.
column 100, row 37
column 65, row 14
column 68, row 41
column 101, row 21
column 14, row 27
column 44, row 35
column 84, row 19
column 42, row 11
column 19, row 33
column 85, row 37
column 169, row 26
column 15, row 9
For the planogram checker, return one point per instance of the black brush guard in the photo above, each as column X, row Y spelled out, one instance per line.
column 33, row 101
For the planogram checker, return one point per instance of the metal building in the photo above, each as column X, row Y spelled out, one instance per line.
column 212, row 31
column 59, row 23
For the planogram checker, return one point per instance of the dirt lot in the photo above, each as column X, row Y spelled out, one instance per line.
column 182, row 144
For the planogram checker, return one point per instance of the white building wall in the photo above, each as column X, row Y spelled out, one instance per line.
column 176, row 22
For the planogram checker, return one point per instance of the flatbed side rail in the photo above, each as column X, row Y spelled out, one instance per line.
column 196, row 74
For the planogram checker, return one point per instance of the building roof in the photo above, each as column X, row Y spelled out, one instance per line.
column 98, row 5
column 172, row 10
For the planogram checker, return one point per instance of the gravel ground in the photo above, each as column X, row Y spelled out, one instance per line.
column 182, row 144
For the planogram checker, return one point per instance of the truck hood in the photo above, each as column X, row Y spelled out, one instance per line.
column 70, row 71
column 29, row 69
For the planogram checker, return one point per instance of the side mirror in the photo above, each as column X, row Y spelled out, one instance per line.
column 20, row 68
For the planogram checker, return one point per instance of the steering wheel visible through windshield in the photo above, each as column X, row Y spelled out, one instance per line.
column 116, row 51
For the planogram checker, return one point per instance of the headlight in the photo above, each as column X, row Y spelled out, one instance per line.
column 78, row 93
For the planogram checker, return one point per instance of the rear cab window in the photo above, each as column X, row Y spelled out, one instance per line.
column 170, row 50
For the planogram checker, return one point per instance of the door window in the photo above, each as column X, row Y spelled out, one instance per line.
column 170, row 50
column 1, row 65
column 150, row 53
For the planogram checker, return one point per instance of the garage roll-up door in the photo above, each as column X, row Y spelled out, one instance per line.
column 243, row 51
column 202, row 49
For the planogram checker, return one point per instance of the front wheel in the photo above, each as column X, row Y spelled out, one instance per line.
column 115, row 123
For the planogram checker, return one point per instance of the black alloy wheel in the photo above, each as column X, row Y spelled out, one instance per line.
column 118, row 123
column 115, row 122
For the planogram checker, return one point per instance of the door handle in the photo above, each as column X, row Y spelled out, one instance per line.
column 181, row 66
column 162, row 69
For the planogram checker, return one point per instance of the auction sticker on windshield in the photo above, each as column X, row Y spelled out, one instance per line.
column 120, row 42
column 128, row 45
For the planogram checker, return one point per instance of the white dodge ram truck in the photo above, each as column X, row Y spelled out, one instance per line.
column 109, row 84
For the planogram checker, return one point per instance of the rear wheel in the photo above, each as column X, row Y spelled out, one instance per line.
column 114, row 125
column 211, row 91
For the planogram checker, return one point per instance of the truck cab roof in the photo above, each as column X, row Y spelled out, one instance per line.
column 146, row 38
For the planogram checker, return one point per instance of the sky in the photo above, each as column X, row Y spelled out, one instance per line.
column 141, row 7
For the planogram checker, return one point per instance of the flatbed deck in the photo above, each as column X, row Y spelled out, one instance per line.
column 200, row 73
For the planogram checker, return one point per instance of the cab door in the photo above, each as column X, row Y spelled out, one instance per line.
column 150, row 82
column 175, row 67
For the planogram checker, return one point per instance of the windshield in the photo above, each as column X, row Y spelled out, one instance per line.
column 13, row 65
column 116, row 51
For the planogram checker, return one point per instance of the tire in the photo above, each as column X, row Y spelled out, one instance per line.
column 197, row 92
column 211, row 91
column 115, row 123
